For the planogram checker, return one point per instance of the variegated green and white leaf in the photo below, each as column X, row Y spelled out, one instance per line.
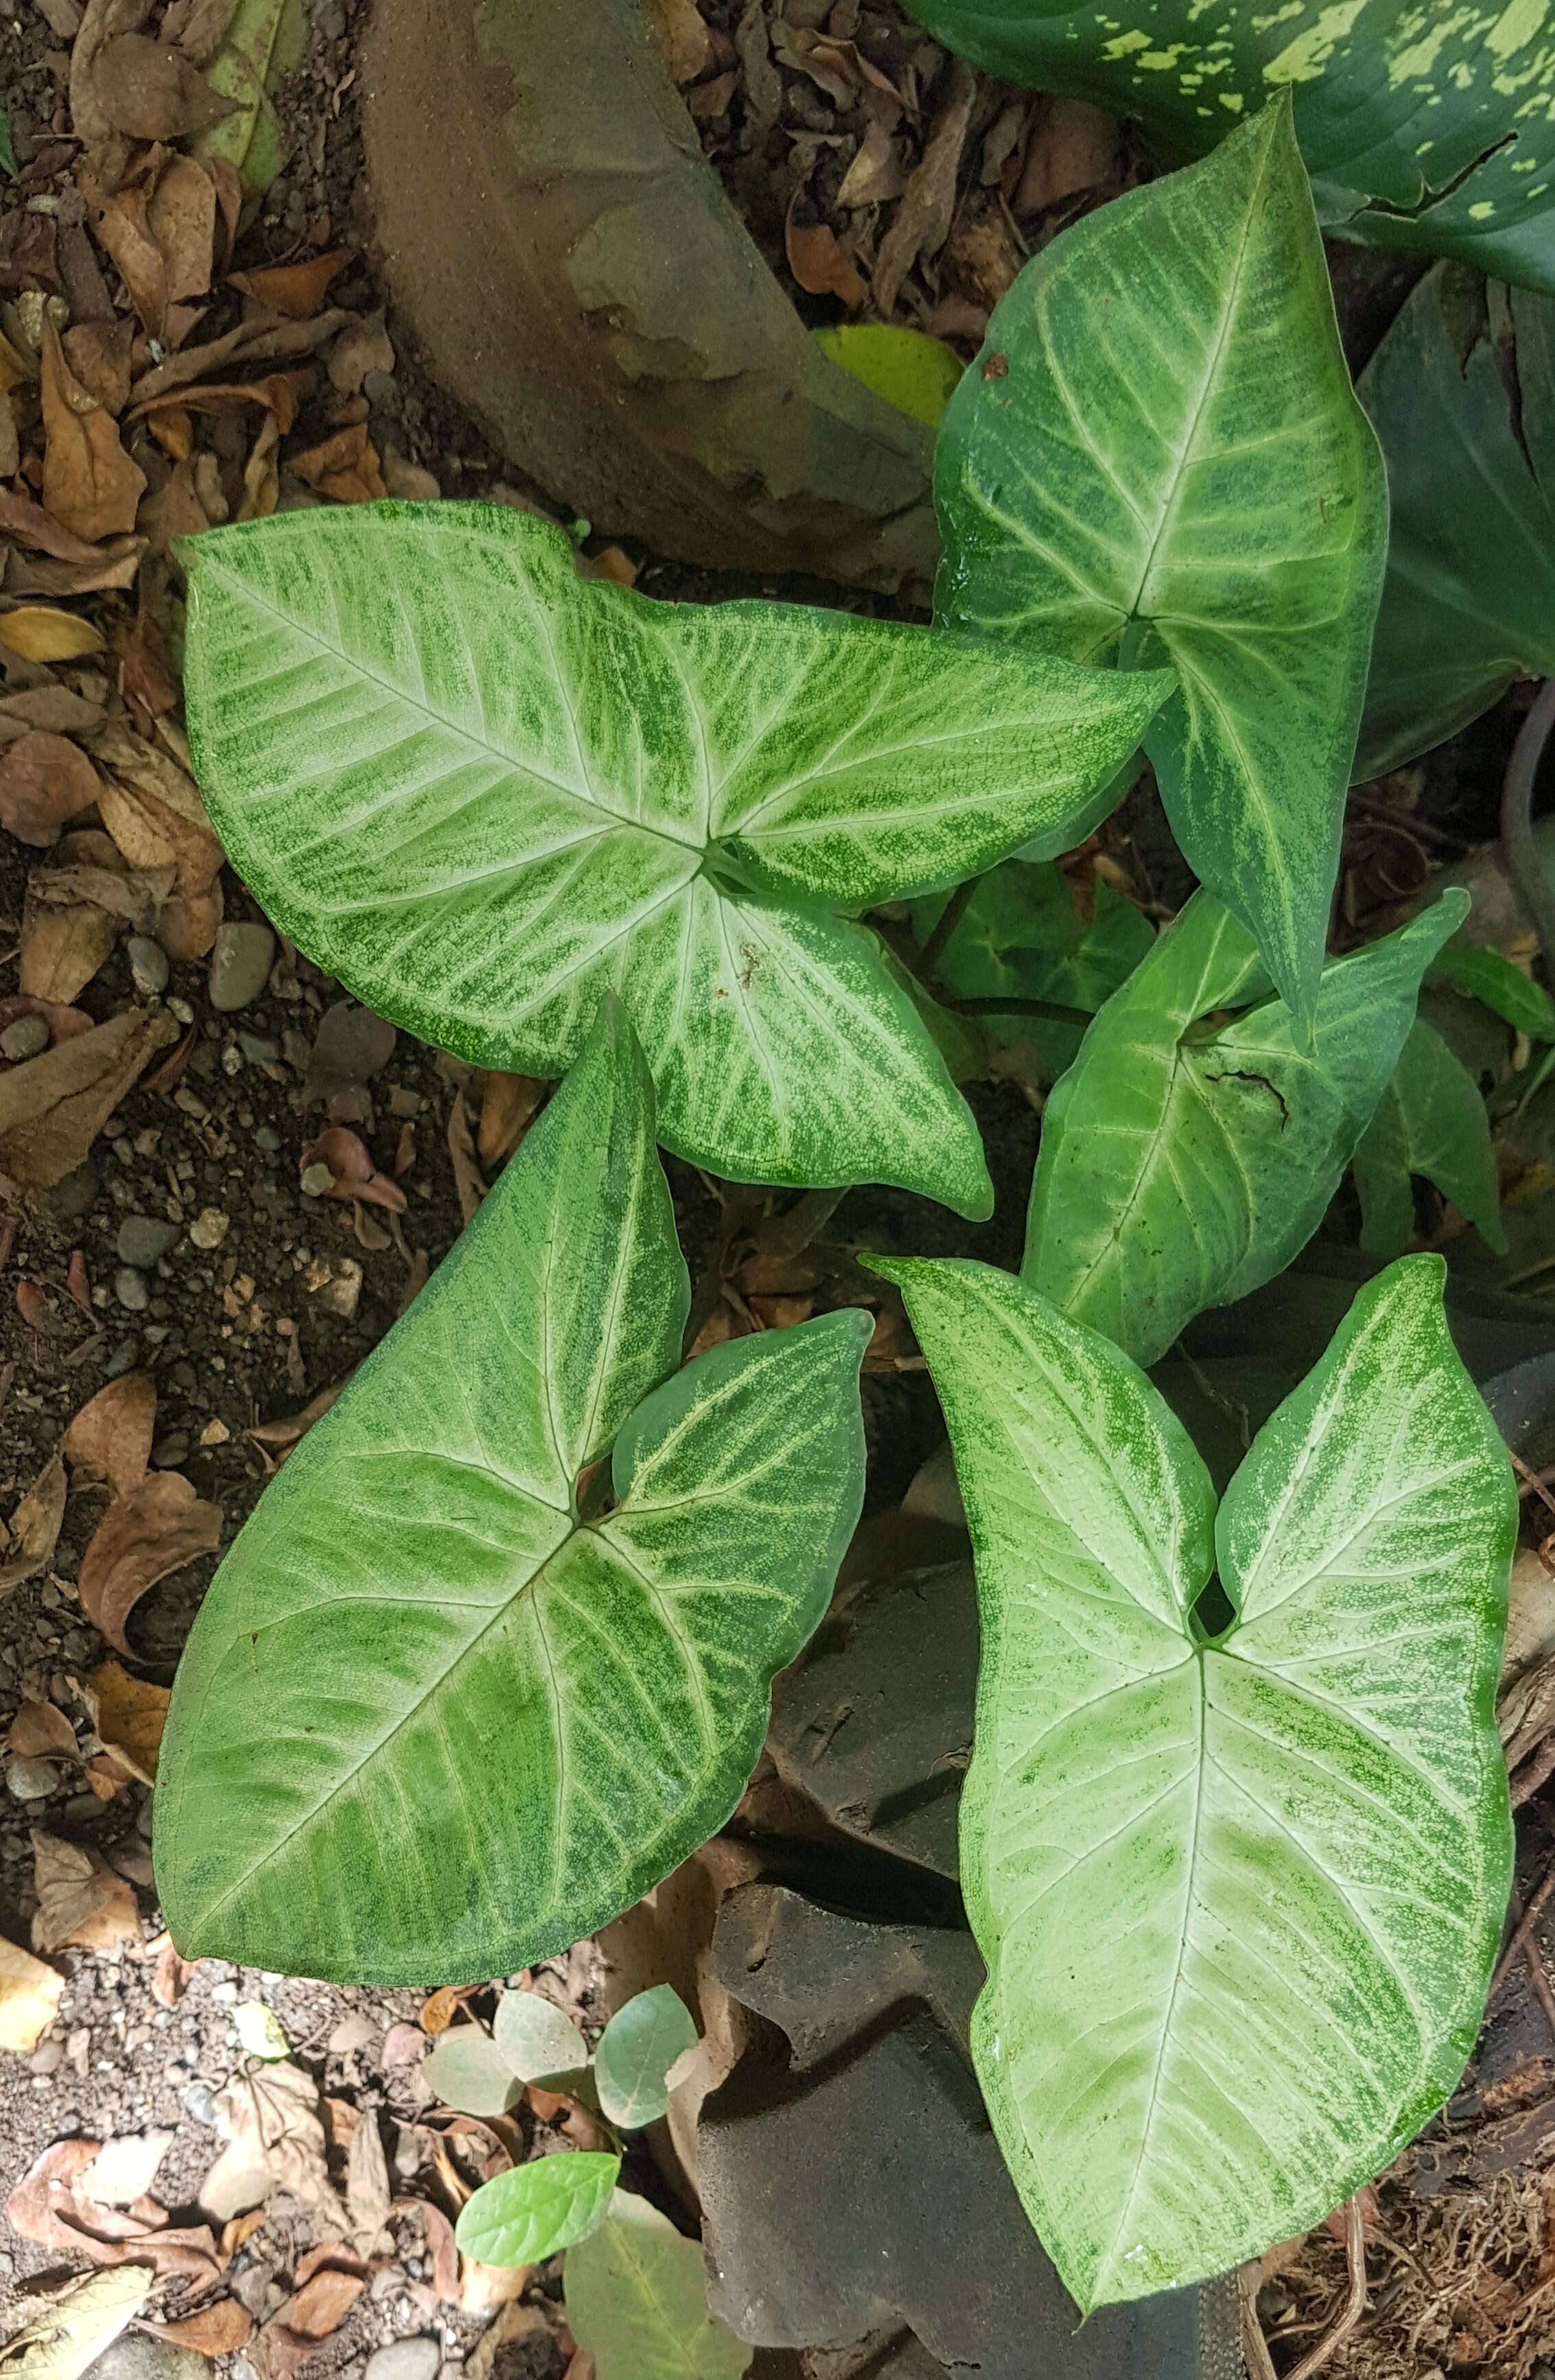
column 1239, row 1898
column 1161, row 457
column 483, row 791
column 1182, row 1165
column 433, row 1720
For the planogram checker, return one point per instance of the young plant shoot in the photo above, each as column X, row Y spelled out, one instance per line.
column 493, row 1653
column 483, row 791
column 1240, row 1893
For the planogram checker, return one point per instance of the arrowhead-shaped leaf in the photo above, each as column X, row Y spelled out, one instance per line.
column 1161, row 452
column 637, row 2302
column 483, row 791
column 527, row 2214
column 1182, row 1165
column 429, row 1721
column 1240, row 1899
column 1430, row 1119
column 1461, row 393
column 637, row 2050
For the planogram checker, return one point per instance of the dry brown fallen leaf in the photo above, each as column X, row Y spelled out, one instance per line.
column 361, row 347
column 64, row 2330
column 32, row 525
column 269, row 2118
column 47, row 2206
column 90, row 482
column 344, row 467
column 344, row 1157
column 80, row 1899
column 468, row 1181
column 508, row 1106
column 369, row 2198
column 38, row 633
column 296, row 290
column 39, row 1731
column 99, row 354
column 30, row 1996
column 142, row 1538
column 62, row 948
column 152, row 809
column 816, row 257
column 117, row 565
column 129, row 1714
column 683, row 38
column 224, row 2329
column 45, row 780
column 53, row 1108
column 112, row 1434
column 921, row 223
column 34, row 1525
column 150, row 92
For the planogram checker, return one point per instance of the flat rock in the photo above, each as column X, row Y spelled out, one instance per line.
column 406, row 2359
column 241, row 959
column 861, row 2193
column 142, row 1240
column 135, row 2355
column 148, row 965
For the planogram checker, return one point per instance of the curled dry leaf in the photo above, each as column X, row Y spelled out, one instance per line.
column 90, row 482
column 39, row 634
column 170, row 1975
column 351, row 1171
column 152, row 809
column 285, row 1432
column 66, row 2329
column 468, row 1181
column 224, row 2329
column 99, row 355
column 34, row 1525
column 30, row 1996
column 296, row 290
column 142, row 1538
column 81, row 1901
column 53, row 1108
column 45, row 780
column 683, row 37
column 276, row 2141
column 816, row 257
column 49, row 2206
column 61, row 948
column 129, row 1714
column 112, row 1434
column 181, row 217
column 921, row 223
column 150, row 92
column 54, row 707
column 345, row 467
column 29, row 524
column 117, row 565
column 41, row 1731
column 104, row 20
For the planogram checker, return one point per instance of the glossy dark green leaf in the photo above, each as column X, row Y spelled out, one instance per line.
column 547, row 2204
column 1461, row 394
column 431, row 1719
column 1424, row 127
column 1020, row 935
column 1430, row 1119
column 1160, row 458
column 1183, row 1163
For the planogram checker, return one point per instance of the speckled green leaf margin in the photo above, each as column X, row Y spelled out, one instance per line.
column 1239, row 1898
column 434, row 1722
column 1183, row 1163
column 482, row 791
column 1160, row 456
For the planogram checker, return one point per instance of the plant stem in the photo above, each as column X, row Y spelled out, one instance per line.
column 1051, row 1009
column 1354, row 2304
column 945, row 925
column 1523, row 863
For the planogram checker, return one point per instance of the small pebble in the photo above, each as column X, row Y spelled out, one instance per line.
column 122, row 1358
column 180, row 1009
column 142, row 1240
column 316, row 1179
column 209, row 1228
column 27, row 1038
column 268, row 1138
column 132, row 1289
column 260, row 1049
column 408, row 2359
column 240, row 964
column 47, row 2058
column 147, row 965
column 200, row 2102
column 31, row 1780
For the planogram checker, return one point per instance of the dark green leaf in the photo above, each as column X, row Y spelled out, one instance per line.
column 1020, row 935
column 1525, row 1004
column 1429, row 1121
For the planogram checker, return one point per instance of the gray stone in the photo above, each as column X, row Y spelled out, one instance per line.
column 47, row 2057
column 200, row 2102
column 142, row 1240
column 268, row 1138
column 31, row 1780
column 135, row 2355
column 122, row 1357
column 240, row 964
column 147, row 965
column 408, row 2359
column 132, row 1289
column 260, row 1049
column 210, row 1227
column 26, row 1038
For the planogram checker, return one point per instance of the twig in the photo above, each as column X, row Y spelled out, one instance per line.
column 945, row 925
column 1540, row 1982
column 1388, row 814
column 1354, row 2304
column 1525, row 1924
column 1253, row 2344
column 1051, row 1009
column 1535, row 1771
column 1523, row 863
column 1532, row 1484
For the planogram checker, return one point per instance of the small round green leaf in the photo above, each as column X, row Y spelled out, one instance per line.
column 637, row 2050
column 467, row 2071
column 637, row 2300
column 534, row 2038
column 530, row 2213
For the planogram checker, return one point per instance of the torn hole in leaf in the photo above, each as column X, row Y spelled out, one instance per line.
column 1213, row 1613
